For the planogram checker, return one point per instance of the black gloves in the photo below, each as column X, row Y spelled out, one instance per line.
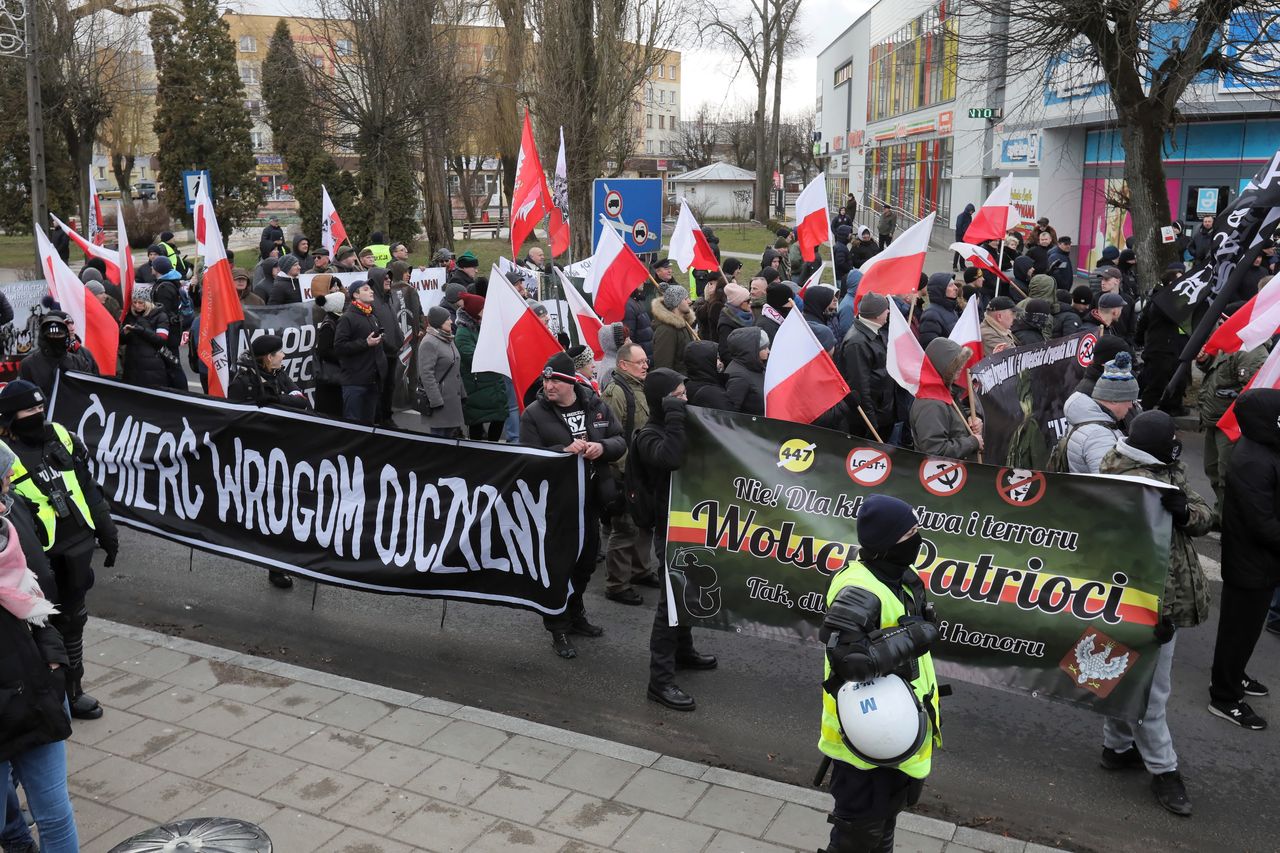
column 111, row 547
column 1176, row 504
column 671, row 405
column 1164, row 630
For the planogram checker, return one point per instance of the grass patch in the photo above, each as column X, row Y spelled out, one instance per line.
column 17, row 252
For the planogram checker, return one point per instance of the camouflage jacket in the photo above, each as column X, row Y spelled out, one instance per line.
column 1186, row 590
column 1224, row 378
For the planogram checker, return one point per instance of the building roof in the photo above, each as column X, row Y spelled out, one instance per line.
column 714, row 172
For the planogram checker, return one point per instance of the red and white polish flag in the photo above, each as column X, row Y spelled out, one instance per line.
column 1252, row 325
column 332, row 232
column 689, row 247
column 512, row 341
column 896, row 270
column 1268, row 376
column 800, row 380
column 813, row 222
column 615, row 274
column 94, row 323
column 588, row 322
column 558, row 224
column 109, row 258
column 219, row 302
column 967, row 332
column 979, row 257
column 124, row 260
column 97, row 231
column 993, row 218
column 907, row 363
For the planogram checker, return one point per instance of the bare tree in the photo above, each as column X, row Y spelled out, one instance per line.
column 591, row 60
column 796, row 143
column 1146, row 54
column 373, row 85
column 696, row 144
column 127, row 131
column 90, row 62
column 759, row 36
column 737, row 130
column 506, row 84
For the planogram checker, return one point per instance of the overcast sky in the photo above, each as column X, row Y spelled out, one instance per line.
column 820, row 22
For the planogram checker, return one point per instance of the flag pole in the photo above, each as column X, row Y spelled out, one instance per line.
column 866, row 420
column 969, row 379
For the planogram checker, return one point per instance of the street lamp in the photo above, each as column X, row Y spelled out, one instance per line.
column 19, row 38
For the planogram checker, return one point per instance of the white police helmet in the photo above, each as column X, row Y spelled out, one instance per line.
column 881, row 721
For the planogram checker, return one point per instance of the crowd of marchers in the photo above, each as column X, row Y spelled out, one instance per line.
column 703, row 339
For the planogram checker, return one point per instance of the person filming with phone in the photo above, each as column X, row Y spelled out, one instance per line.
column 362, row 348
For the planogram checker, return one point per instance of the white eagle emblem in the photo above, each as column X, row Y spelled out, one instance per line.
column 1094, row 665
column 525, row 209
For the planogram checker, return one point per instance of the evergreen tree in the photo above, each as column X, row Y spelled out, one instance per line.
column 201, row 121
column 297, row 129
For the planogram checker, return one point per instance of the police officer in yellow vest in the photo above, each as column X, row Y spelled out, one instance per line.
column 880, row 696
column 380, row 248
column 52, row 476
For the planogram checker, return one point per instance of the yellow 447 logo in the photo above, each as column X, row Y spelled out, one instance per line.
column 796, row 455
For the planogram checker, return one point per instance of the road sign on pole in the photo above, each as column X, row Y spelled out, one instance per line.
column 190, row 183
column 632, row 206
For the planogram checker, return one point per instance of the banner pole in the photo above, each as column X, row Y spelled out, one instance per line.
column 866, row 420
column 960, row 412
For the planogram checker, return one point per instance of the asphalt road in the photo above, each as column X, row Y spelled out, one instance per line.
column 1009, row 763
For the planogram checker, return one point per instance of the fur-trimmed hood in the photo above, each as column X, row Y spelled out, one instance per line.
column 662, row 315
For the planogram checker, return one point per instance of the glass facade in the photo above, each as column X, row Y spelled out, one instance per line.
column 915, row 67
column 914, row 177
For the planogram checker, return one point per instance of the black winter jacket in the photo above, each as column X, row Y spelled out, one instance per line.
column 744, row 383
column 1251, row 506
column 940, row 317
column 636, row 318
column 657, row 450
column 704, row 385
column 862, row 251
column 31, row 694
column 253, row 384
column 143, row 364
column 863, row 357
column 43, row 365
column 359, row 363
column 285, row 291
column 542, row 426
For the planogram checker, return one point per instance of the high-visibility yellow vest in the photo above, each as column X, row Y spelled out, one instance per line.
column 925, row 685
column 25, row 485
column 381, row 254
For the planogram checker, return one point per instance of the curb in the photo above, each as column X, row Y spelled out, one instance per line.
column 808, row 797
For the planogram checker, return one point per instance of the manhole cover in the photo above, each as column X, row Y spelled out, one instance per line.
column 203, row 834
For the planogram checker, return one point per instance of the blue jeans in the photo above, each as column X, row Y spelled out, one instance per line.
column 1273, row 616
column 360, row 402
column 42, row 771
column 16, row 833
column 512, row 426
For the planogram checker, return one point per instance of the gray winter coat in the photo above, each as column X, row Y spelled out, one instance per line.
column 936, row 427
column 440, row 374
column 1090, row 442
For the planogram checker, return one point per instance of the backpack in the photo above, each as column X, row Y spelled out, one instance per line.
column 186, row 308
column 639, row 494
column 1058, row 457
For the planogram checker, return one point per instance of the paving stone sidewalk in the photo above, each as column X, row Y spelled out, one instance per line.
column 326, row 763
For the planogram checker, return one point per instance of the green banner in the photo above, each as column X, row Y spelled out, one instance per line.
column 1044, row 583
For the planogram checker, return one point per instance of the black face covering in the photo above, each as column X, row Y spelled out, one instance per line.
column 906, row 552
column 56, row 344
column 30, row 428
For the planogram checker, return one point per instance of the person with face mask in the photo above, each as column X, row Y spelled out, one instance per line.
column 52, row 475
column 1152, row 450
column 878, row 626
column 53, row 354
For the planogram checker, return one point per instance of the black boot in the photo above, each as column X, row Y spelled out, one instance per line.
column 279, row 579
column 83, row 706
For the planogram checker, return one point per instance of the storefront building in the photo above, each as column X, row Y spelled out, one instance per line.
column 898, row 126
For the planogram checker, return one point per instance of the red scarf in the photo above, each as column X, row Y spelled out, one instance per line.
column 363, row 309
